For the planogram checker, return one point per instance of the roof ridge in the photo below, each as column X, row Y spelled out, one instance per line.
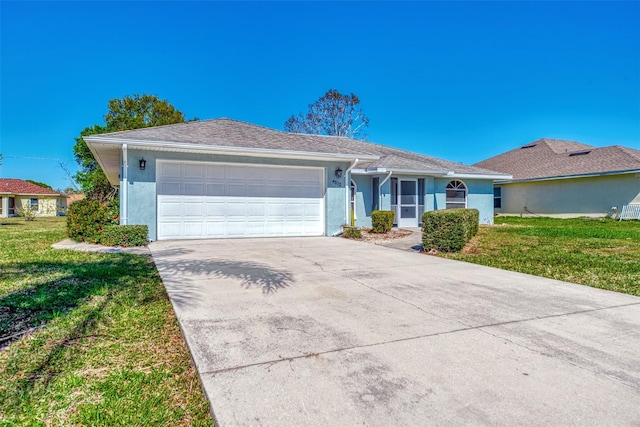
column 630, row 151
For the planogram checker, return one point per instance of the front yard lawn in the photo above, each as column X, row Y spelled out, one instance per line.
column 602, row 253
column 88, row 339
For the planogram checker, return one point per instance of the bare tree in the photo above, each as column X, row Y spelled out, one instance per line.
column 65, row 168
column 333, row 114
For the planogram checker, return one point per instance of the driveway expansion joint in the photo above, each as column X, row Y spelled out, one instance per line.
column 418, row 337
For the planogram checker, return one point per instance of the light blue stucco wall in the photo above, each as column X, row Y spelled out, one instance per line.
column 429, row 196
column 141, row 185
column 479, row 196
column 364, row 200
column 385, row 194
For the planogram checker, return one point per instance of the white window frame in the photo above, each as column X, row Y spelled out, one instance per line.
column 497, row 197
column 456, row 185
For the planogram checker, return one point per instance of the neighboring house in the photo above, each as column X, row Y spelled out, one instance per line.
column 555, row 177
column 70, row 198
column 226, row 178
column 16, row 194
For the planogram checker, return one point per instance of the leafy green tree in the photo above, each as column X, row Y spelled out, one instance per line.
column 333, row 114
column 130, row 112
column 90, row 177
column 140, row 111
column 41, row 184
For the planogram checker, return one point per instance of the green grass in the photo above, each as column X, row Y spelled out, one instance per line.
column 88, row 339
column 602, row 253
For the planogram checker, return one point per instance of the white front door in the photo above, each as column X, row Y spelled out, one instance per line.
column 407, row 203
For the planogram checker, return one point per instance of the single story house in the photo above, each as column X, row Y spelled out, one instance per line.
column 566, row 178
column 16, row 194
column 225, row 178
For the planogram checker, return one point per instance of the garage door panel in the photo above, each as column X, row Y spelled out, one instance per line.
column 194, row 229
column 170, row 188
column 216, row 228
column 295, row 210
column 235, row 189
column 236, row 228
column 171, row 230
column 234, row 172
column 255, row 190
column 193, row 170
column 275, row 228
column 235, row 211
column 312, row 211
column 194, row 209
column 256, row 228
column 294, row 228
column 257, row 210
column 170, row 209
column 276, row 210
column 170, row 170
column 210, row 200
column 193, row 189
column 214, row 189
column 216, row 210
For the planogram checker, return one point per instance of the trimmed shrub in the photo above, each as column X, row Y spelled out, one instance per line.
column 381, row 221
column 351, row 232
column 124, row 235
column 449, row 230
column 472, row 220
column 86, row 219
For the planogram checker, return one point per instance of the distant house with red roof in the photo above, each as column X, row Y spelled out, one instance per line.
column 569, row 178
column 17, row 194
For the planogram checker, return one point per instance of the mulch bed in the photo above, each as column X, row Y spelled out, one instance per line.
column 394, row 234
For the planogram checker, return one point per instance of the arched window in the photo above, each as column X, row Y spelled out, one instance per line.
column 456, row 195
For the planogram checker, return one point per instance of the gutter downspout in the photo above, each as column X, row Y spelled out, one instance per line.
column 123, row 186
column 380, row 189
column 347, row 218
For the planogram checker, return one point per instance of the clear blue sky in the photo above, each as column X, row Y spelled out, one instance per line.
column 458, row 80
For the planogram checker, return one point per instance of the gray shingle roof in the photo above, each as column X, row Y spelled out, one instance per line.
column 233, row 133
column 546, row 158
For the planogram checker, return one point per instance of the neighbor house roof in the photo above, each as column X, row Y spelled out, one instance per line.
column 24, row 188
column 227, row 136
column 553, row 158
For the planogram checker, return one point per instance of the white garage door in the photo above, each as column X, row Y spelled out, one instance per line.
column 210, row 200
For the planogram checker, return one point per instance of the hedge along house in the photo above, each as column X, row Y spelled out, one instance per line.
column 225, row 178
column 17, row 194
column 566, row 178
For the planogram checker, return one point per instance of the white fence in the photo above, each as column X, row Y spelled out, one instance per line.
column 630, row 211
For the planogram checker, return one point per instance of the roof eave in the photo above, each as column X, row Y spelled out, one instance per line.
column 427, row 172
column 585, row 175
column 29, row 194
column 225, row 150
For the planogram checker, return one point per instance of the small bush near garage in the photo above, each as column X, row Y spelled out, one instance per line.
column 448, row 230
column 124, row 235
column 381, row 221
column 351, row 233
column 86, row 219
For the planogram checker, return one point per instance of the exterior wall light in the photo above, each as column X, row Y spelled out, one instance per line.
column 338, row 173
column 143, row 164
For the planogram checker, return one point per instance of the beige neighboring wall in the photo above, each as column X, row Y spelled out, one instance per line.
column 47, row 205
column 571, row 196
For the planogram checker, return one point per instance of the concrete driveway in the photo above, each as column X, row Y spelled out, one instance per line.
column 326, row 331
